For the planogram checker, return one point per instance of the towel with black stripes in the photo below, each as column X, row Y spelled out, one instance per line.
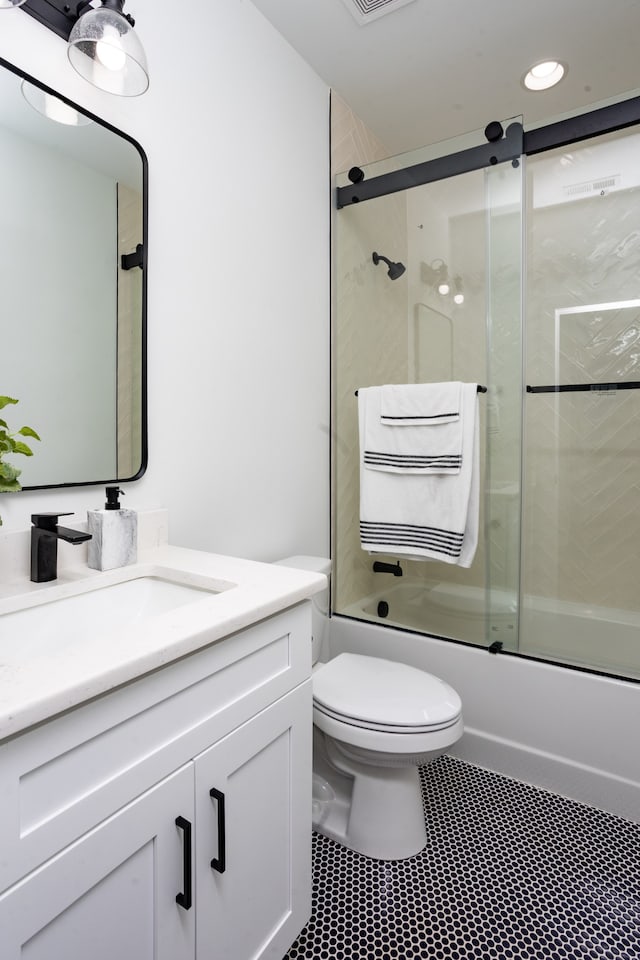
column 419, row 470
column 396, row 438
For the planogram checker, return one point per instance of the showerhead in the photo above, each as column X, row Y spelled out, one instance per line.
column 395, row 269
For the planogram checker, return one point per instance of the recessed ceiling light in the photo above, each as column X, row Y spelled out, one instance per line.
column 543, row 75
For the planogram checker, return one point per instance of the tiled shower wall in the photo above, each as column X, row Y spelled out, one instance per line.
column 370, row 310
column 582, row 478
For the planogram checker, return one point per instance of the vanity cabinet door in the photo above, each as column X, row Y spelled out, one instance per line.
column 253, row 811
column 112, row 894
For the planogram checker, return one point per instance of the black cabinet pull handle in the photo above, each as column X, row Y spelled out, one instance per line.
column 184, row 899
column 219, row 863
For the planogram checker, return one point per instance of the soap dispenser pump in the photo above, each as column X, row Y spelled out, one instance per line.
column 114, row 533
column 113, row 498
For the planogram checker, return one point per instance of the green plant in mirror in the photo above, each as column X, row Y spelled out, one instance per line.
column 9, row 445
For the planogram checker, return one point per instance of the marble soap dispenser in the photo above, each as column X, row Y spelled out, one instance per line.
column 114, row 534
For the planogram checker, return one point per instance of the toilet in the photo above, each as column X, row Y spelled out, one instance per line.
column 375, row 722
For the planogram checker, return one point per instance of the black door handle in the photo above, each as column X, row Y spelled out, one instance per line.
column 219, row 863
column 184, row 899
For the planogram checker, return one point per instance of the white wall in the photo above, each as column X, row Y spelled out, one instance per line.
column 235, row 127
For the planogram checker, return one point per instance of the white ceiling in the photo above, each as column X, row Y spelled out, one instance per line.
column 431, row 70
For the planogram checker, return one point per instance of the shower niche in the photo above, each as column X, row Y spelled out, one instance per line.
column 521, row 275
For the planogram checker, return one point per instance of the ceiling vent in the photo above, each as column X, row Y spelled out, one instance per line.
column 364, row 11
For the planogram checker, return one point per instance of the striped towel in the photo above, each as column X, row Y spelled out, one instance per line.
column 420, row 404
column 410, row 510
column 418, row 429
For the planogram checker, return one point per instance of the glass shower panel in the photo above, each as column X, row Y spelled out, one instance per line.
column 503, row 401
column 369, row 346
column 431, row 324
column 581, row 528
column 447, row 340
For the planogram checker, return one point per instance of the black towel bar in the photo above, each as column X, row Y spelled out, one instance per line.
column 481, row 389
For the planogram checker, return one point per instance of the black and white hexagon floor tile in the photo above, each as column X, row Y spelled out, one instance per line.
column 509, row 872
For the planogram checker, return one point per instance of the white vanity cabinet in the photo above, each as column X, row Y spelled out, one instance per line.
column 252, row 871
column 112, row 893
column 168, row 819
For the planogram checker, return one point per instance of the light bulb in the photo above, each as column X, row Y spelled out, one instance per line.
column 443, row 289
column 110, row 55
column 458, row 291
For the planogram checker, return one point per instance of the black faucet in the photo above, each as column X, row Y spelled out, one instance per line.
column 380, row 567
column 45, row 534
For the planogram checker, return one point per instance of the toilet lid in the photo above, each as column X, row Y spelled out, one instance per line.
column 376, row 691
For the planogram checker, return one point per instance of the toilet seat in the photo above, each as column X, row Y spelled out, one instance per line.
column 395, row 728
column 383, row 695
column 386, row 707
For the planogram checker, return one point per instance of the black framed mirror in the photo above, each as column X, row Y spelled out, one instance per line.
column 73, row 287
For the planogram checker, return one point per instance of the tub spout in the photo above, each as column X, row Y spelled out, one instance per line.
column 380, row 567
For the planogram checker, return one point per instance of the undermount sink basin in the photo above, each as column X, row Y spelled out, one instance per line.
column 50, row 624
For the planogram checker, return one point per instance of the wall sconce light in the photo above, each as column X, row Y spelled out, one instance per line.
column 444, row 287
column 103, row 47
column 458, row 292
column 436, row 274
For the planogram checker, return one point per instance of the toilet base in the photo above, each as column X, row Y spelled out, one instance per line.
column 376, row 811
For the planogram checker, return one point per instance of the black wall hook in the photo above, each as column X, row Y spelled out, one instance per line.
column 130, row 260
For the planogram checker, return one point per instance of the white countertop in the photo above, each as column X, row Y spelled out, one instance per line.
column 33, row 689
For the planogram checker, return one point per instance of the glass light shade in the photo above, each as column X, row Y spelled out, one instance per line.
column 105, row 50
column 8, row 4
column 443, row 288
column 52, row 107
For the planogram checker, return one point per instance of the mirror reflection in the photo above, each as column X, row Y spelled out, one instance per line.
column 72, row 286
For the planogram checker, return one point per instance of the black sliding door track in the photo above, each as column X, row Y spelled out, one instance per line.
column 510, row 147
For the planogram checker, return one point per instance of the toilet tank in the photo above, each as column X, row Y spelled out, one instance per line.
column 319, row 602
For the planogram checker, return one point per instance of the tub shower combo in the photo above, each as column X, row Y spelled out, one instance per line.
column 511, row 260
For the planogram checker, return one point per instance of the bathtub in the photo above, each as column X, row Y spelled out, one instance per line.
column 601, row 638
column 572, row 732
column 443, row 609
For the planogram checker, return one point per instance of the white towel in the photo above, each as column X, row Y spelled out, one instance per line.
column 418, row 430
column 414, row 404
column 416, row 515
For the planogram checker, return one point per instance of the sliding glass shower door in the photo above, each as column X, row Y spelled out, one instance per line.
column 453, row 315
column 581, row 534
column 522, row 275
